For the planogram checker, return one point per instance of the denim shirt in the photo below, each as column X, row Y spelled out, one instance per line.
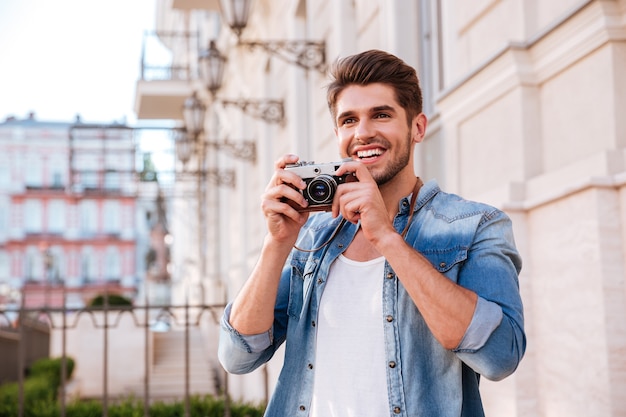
column 470, row 243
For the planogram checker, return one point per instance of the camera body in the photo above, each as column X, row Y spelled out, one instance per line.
column 321, row 184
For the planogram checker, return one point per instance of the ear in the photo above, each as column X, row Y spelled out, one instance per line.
column 418, row 127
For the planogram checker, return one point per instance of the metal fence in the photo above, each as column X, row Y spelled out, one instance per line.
column 100, row 339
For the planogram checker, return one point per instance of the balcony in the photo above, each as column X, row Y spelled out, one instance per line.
column 165, row 79
column 196, row 5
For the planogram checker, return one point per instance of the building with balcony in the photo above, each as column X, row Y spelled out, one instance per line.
column 71, row 223
column 525, row 101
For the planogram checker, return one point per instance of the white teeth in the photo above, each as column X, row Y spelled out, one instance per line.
column 369, row 153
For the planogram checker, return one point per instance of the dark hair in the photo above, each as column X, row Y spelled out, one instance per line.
column 375, row 66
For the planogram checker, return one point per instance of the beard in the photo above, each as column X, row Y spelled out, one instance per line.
column 397, row 164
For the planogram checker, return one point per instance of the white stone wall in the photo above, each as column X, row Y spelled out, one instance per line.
column 85, row 343
column 529, row 115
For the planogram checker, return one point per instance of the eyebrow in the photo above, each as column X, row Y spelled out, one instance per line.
column 383, row 107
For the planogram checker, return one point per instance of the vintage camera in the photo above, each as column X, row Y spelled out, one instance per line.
column 321, row 184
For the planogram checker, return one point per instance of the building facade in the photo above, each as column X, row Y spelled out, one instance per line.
column 69, row 228
column 526, row 103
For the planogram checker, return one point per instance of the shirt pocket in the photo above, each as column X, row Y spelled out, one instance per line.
column 302, row 273
column 447, row 261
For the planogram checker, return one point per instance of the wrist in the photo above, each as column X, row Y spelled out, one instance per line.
column 390, row 240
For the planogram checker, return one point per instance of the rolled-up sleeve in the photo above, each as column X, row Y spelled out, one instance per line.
column 240, row 354
column 487, row 317
column 495, row 341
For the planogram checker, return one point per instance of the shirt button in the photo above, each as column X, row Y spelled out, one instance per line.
column 313, row 323
column 302, row 408
column 389, row 319
column 340, row 245
column 442, row 264
column 310, row 366
column 392, row 364
column 396, row 410
column 319, row 280
column 389, row 275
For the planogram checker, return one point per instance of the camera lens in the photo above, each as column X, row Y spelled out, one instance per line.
column 321, row 189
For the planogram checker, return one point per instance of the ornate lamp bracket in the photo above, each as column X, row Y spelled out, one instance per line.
column 305, row 54
column 245, row 150
column 224, row 177
column 271, row 111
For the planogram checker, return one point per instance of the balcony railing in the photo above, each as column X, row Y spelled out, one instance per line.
column 157, row 61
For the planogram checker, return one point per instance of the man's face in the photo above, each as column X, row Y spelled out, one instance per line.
column 371, row 127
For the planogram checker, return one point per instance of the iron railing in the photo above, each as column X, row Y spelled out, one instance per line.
column 106, row 319
column 158, row 63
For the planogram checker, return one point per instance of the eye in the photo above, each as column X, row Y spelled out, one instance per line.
column 347, row 121
column 382, row 116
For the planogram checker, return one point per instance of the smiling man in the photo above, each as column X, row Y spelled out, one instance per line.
column 396, row 300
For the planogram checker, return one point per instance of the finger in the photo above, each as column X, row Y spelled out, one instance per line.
column 286, row 194
column 285, row 160
column 358, row 168
column 271, row 208
column 351, row 209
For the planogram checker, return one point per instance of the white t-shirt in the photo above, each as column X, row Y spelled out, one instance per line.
column 350, row 372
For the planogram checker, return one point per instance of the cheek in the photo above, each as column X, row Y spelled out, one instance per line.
column 343, row 142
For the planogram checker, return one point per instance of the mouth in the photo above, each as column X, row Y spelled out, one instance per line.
column 370, row 154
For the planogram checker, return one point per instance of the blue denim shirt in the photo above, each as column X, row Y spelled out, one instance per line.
column 470, row 243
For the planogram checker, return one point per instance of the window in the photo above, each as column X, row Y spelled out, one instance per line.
column 57, row 169
column 88, row 217
column 34, row 173
column 5, row 267
column 5, row 173
column 31, row 257
column 113, row 269
column 5, row 206
column 112, row 180
column 112, row 217
column 87, row 265
column 56, row 216
column 431, row 53
column 32, row 216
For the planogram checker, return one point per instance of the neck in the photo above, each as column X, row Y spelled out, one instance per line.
column 395, row 190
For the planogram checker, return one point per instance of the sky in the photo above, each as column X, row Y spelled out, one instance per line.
column 60, row 58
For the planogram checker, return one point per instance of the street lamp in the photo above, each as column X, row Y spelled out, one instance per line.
column 236, row 13
column 194, row 112
column 189, row 141
column 212, row 64
column 185, row 145
column 212, row 68
column 306, row 54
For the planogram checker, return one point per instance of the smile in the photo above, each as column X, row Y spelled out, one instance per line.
column 369, row 153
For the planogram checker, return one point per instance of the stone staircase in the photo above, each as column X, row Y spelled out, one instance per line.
column 167, row 375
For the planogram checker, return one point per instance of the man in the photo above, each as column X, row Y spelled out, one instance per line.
column 396, row 300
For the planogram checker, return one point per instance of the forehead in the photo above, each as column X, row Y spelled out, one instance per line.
column 364, row 97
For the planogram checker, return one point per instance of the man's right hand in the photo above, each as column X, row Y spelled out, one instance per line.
column 284, row 221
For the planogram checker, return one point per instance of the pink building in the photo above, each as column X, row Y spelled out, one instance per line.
column 68, row 212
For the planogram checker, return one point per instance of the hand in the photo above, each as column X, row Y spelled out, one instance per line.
column 362, row 201
column 284, row 221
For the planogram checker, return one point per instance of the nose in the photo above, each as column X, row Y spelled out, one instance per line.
column 363, row 131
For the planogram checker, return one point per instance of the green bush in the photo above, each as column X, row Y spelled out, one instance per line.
column 40, row 390
column 90, row 408
column 200, row 406
column 38, row 395
column 50, row 370
column 113, row 299
column 40, row 400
